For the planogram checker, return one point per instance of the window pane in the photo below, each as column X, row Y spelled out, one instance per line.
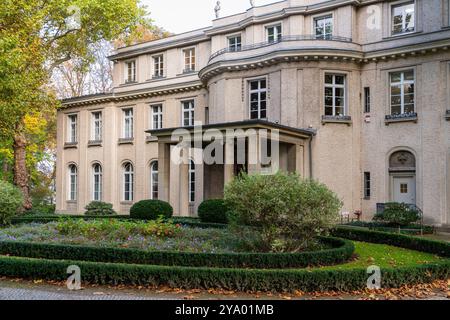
column 329, row 101
column 329, row 79
column 409, row 75
column 254, row 85
column 396, row 109
column 396, row 77
column 339, row 79
column 328, row 111
column 409, row 108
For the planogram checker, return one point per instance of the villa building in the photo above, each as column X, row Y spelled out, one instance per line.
column 358, row 91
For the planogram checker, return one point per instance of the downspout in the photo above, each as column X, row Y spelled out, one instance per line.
column 310, row 157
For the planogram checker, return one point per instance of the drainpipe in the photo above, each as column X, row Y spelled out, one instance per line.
column 310, row 158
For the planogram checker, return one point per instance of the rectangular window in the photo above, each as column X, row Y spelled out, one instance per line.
column 403, row 18
column 157, row 117
column 128, row 123
column 274, row 33
column 97, row 126
column 258, row 99
column 72, row 128
column 158, row 63
column 235, row 43
column 188, row 113
column 367, row 191
column 131, row 72
column 189, row 60
column 366, row 100
column 206, row 115
column 335, row 95
column 402, row 92
column 323, row 27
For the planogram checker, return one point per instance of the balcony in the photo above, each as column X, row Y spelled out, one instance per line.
column 404, row 117
column 271, row 43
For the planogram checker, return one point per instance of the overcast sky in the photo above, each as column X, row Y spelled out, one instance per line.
column 179, row 16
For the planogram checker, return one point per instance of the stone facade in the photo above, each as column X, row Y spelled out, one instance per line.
column 387, row 63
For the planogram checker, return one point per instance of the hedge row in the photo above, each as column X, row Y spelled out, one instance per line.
column 381, row 226
column 229, row 279
column 187, row 221
column 341, row 251
column 399, row 240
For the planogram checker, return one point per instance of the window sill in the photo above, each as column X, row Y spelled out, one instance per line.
column 402, row 35
column 189, row 71
column 157, row 78
column 126, row 203
column 337, row 119
column 447, row 115
column 126, row 141
column 71, row 201
column 95, row 143
column 401, row 118
column 71, row 145
column 126, row 84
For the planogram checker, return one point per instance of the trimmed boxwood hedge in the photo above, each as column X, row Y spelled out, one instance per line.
column 342, row 251
column 229, row 279
column 399, row 240
column 384, row 227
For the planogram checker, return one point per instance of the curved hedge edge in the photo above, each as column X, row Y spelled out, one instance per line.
column 229, row 279
column 439, row 248
column 341, row 252
column 189, row 222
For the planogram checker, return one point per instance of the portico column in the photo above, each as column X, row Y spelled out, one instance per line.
column 184, row 183
column 228, row 168
column 254, row 165
column 164, row 171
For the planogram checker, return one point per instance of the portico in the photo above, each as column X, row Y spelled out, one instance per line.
column 196, row 162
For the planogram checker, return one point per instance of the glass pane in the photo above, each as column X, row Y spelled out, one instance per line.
column 409, row 98
column 254, row 97
column 409, row 88
column 329, row 101
column 409, row 75
column 339, row 92
column 254, row 106
column 254, row 115
column 340, row 79
column 329, row 79
column 263, row 96
column 263, row 84
column 339, row 101
column 396, row 109
column 328, row 111
column 396, row 90
column 339, row 111
column 396, row 100
column 328, row 91
column 409, row 108
column 396, row 76
column 263, row 113
column 254, row 85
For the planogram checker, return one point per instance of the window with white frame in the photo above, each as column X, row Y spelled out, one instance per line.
column 158, row 64
column 403, row 17
column 157, row 116
column 73, row 182
column 188, row 113
column 97, row 182
column 97, row 126
column 191, row 181
column 274, row 33
column 154, row 180
column 335, row 95
column 402, row 92
column 323, row 27
column 128, row 182
column 235, row 43
column 128, row 123
column 258, row 98
column 72, row 132
column 130, row 75
column 189, row 60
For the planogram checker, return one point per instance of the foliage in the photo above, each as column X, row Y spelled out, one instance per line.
column 213, row 210
column 398, row 214
column 97, row 229
column 289, row 211
column 412, row 229
column 151, row 209
column 10, row 201
column 98, row 208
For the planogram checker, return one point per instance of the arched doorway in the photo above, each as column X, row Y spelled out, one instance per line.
column 402, row 175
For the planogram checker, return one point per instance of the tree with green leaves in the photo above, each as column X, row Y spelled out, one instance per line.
column 37, row 36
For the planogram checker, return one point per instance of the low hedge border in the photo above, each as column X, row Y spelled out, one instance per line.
column 380, row 226
column 399, row 240
column 187, row 221
column 342, row 251
column 229, row 279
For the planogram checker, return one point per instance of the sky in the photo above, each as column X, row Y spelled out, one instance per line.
column 179, row 16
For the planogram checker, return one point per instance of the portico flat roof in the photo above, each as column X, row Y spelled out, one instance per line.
column 247, row 124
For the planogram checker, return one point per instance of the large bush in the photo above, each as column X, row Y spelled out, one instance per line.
column 11, row 200
column 398, row 214
column 290, row 212
column 213, row 211
column 151, row 209
column 97, row 208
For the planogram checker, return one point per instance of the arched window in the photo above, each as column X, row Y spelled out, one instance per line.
column 154, row 180
column 128, row 182
column 97, row 188
column 73, row 182
column 191, row 181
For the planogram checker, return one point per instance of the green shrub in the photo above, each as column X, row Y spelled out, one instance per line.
column 341, row 251
column 151, row 210
column 213, row 211
column 398, row 214
column 11, row 200
column 97, row 208
column 289, row 211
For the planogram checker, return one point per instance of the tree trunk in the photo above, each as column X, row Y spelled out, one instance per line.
column 21, row 178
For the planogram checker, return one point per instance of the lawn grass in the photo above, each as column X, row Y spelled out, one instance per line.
column 381, row 255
